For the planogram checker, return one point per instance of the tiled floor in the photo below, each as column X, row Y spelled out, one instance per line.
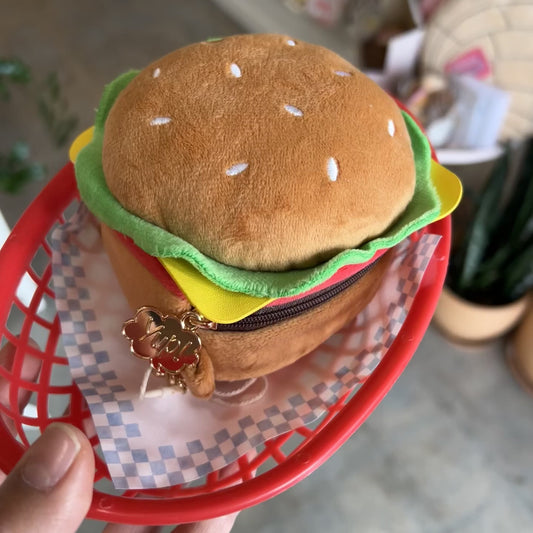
column 449, row 449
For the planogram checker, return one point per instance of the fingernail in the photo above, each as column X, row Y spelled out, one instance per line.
column 50, row 457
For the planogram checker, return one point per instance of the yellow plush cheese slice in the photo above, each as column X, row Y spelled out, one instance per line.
column 449, row 188
column 81, row 141
column 213, row 302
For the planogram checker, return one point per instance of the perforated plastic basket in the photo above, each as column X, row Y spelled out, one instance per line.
column 281, row 462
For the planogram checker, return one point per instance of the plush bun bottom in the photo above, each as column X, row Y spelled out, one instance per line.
column 231, row 356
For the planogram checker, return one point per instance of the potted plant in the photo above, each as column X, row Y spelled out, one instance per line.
column 491, row 269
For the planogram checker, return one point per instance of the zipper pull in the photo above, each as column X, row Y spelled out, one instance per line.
column 193, row 320
column 169, row 342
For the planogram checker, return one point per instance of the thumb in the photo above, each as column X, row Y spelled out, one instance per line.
column 50, row 489
column 222, row 524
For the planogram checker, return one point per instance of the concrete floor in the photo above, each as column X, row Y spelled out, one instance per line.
column 448, row 450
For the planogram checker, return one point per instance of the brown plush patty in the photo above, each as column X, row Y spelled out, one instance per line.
column 241, row 355
column 263, row 152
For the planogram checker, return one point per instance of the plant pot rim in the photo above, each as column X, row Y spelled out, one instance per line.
column 515, row 303
column 471, row 323
column 517, row 370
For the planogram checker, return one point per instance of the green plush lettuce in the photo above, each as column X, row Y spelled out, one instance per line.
column 422, row 210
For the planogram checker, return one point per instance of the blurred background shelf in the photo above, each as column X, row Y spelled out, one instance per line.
column 260, row 16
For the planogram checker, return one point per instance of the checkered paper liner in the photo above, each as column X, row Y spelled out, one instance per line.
column 157, row 442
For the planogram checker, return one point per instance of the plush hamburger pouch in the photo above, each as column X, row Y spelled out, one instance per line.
column 250, row 190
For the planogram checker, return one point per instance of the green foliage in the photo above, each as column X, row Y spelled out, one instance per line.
column 16, row 169
column 494, row 263
column 53, row 109
column 12, row 71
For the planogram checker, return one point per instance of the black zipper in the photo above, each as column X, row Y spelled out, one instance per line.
column 271, row 315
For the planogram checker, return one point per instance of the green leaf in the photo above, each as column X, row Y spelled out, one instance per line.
column 63, row 130
column 16, row 171
column 12, row 70
column 4, row 93
column 53, row 110
column 479, row 236
column 46, row 113
column 15, row 70
column 515, row 225
column 20, row 151
column 518, row 276
column 523, row 199
column 52, row 84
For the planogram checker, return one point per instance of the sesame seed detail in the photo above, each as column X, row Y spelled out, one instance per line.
column 236, row 169
column 290, row 42
column 391, row 128
column 156, row 73
column 333, row 169
column 235, row 70
column 294, row 110
column 159, row 121
column 343, row 73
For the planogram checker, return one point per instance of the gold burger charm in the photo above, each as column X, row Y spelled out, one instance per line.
column 169, row 342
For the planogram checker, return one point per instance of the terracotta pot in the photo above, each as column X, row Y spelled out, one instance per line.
column 520, row 351
column 465, row 321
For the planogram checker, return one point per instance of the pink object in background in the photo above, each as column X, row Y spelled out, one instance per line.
column 473, row 63
column 327, row 12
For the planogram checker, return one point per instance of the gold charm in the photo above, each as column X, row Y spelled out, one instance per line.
column 169, row 342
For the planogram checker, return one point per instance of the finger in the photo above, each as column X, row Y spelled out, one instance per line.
column 222, row 524
column 50, row 489
column 125, row 528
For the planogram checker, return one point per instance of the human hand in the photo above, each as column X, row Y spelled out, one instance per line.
column 50, row 489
